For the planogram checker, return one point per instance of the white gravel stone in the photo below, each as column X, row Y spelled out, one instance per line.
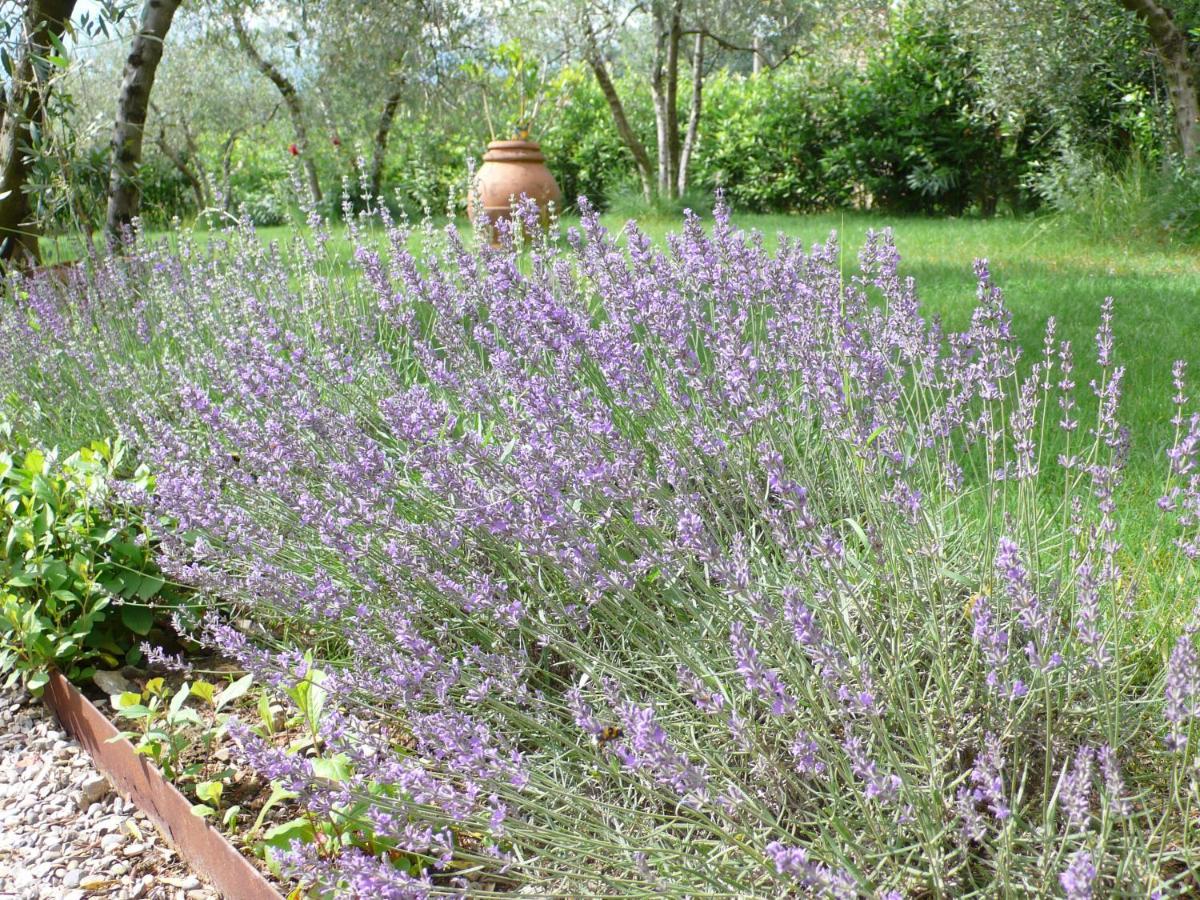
column 62, row 828
column 112, row 682
column 94, row 787
column 111, row 843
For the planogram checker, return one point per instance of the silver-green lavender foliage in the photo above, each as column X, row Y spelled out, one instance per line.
column 697, row 570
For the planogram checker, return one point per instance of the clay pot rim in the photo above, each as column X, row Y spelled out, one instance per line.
column 513, row 144
column 514, row 151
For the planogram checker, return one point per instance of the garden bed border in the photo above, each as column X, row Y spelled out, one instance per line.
column 203, row 847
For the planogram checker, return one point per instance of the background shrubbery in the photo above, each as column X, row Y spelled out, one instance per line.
column 908, row 122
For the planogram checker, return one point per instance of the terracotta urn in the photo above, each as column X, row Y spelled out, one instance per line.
column 510, row 169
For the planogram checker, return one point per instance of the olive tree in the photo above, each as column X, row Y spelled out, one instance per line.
column 133, row 103
column 1176, row 42
column 197, row 124
column 352, row 66
column 1045, row 52
column 32, row 54
column 662, row 38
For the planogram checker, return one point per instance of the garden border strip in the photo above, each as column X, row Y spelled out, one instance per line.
column 201, row 845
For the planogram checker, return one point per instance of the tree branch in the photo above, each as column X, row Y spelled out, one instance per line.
column 291, row 99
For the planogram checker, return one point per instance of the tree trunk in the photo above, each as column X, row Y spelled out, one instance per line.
column 641, row 159
column 1183, row 79
column 382, row 131
column 194, row 159
column 227, row 169
column 140, row 68
column 757, row 56
column 663, row 177
column 180, row 162
column 693, row 126
column 658, row 94
column 675, row 35
column 227, row 148
column 19, row 230
column 664, row 88
column 291, row 99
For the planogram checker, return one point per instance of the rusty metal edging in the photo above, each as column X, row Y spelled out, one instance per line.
column 204, row 848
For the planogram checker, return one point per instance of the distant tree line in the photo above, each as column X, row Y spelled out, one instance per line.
column 161, row 108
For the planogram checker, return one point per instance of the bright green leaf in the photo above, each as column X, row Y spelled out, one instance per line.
column 234, row 691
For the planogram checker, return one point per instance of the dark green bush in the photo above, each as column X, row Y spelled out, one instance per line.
column 265, row 205
column 1139, row 199
column 78, row 583
column 909, row 133
column 425, row 172
column 915, row 135
column 580, row 142
column 766, row 139
column 908, row 130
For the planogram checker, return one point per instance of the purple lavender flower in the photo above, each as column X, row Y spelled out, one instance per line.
column 807, row 756
column 855, row 695
column 493, row 470
column 763, row 682
column 816, row 876
column 1182, row 691
column 1114, row 784
column 974, row 827
column 1104, row 335
column 706, row 700
column 876, row 785
column 1031, row 613
column 987, row 778
column 1087, row 615
column 992, row 639
column 582, row 711
column 1182, row 496
column 647, row 748
column 1066, row 388
column 1079, row 875
column 1075, row 788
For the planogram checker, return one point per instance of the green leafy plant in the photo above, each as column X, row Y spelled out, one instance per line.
column 79, row 586
column 346, row 824
column 515, row 81
column 167, row 727
column 918, row 136
column 162, row 719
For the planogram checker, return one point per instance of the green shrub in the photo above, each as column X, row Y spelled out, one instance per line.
column 581, row 144
column 78, row 583
column 1139, row 199
column 916, row 135
column 426, row 173
column 765, row 140
column 266, row 205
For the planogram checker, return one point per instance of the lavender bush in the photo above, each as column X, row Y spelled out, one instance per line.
column 617, row 570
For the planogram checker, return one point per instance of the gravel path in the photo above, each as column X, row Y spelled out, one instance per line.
column 63, row 832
